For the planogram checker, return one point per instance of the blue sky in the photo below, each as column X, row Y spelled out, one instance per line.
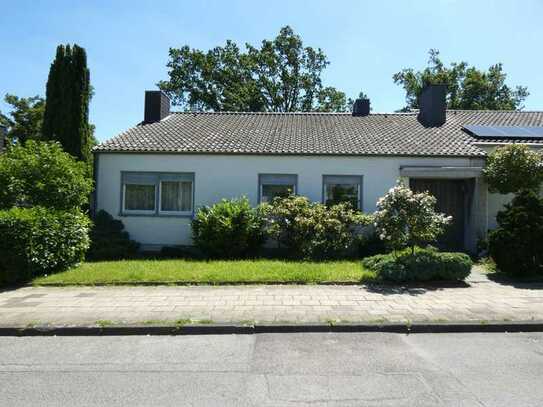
column 366, row 42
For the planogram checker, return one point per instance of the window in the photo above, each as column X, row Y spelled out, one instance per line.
column 175, row 196
column 343, row 188
column 276, row 185
column 139, row 197
column 157, row 193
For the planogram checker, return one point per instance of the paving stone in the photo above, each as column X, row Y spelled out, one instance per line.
column 478, row 300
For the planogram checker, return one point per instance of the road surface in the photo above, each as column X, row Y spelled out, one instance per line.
column 341, row 369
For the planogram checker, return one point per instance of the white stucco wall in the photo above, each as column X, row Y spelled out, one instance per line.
column 229, row 176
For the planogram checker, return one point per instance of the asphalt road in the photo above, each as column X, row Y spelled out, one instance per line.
column 274, row 370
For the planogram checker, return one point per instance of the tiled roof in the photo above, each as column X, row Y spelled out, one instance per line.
column 314, row 133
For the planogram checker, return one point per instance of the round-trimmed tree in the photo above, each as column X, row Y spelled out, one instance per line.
column 513, row 168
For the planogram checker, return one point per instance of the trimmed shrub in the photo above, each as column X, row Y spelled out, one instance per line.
column 313, row 230
column 42, row 174
column 109, row 240
column 422, row 265
column 37, row 241
column 516, row 245
column 228, row 229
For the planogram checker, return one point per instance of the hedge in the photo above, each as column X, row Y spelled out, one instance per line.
column 37, row 241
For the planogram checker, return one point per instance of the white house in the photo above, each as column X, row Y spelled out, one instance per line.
column 155, row 175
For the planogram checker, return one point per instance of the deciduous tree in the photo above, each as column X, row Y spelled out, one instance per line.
column 25, row 118
column 467, row 87
column 281, row 75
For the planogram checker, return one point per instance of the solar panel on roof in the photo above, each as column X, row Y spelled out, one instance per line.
column 510, row 132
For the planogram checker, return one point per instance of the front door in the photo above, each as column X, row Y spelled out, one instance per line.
column 451, row 200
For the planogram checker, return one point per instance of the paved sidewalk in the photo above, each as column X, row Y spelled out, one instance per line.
column 479, row 300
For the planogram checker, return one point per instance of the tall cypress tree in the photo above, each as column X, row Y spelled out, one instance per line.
column 66, row 117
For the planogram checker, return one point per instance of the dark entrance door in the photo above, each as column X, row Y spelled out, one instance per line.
column 451, row 200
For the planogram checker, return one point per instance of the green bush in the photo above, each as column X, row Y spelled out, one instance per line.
column 228, row 229
column 422, row 265
column 109, row 240
column 37, row 241
column 312, row 230
column 42, row 174
column 516, row 245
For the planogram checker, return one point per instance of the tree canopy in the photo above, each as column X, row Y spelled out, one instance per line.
column 282, row 75
column 467, row 87
column 25, row 119
column 68, row 92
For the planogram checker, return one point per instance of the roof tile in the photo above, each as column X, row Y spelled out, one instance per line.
column 314, row 133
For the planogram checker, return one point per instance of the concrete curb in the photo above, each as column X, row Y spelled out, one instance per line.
column 223, row 329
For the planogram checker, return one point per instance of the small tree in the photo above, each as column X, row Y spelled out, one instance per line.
column 513, row 168
column 407, row 219
column 41, row 174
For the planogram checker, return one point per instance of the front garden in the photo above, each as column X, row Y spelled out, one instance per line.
column 47, row 235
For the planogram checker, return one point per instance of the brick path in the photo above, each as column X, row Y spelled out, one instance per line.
column 479, row 300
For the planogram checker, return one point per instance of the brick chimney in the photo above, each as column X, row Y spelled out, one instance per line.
column 361, row 107
column 433, row 105
column 157, row 106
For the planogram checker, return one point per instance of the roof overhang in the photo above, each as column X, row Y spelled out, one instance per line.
column 440, row 172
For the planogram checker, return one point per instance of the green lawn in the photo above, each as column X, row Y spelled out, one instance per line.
column 209, row 272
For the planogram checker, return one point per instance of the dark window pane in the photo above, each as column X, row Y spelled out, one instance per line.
column 139, row 197
column 272, row 191
column 337, row 193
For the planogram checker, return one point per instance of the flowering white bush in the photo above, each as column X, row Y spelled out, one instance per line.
column 406, row 219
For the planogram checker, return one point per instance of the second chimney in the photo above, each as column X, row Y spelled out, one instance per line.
column 433, row 105
column 157, row 106
column 361, row 107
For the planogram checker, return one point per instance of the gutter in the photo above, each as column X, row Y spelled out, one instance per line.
column 500, row 144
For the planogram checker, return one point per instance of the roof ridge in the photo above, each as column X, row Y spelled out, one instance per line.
column 493, row 111
column 294, row 113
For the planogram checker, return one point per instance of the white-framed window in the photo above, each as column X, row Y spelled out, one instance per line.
column 342, row 188
column 276, row 185
column 150, row 193
column 175, row 197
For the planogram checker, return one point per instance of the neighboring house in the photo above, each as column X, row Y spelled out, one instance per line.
column 155, row 175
